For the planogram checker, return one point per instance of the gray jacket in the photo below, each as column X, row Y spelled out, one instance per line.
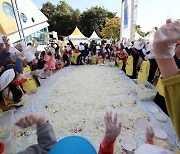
column 46, row 139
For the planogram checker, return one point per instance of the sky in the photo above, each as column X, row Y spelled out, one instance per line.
column 151, row 13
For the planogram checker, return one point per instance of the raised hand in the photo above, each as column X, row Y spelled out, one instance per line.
column 165, row 39
column 149, row 134
column 113, row 128
column 6, row 43
column 5, row 40
column 19, row 47
column 30, row 120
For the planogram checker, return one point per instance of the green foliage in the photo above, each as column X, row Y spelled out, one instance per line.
column 140, row 32
column 63, row 18
column 111, row 29
column 94, row 19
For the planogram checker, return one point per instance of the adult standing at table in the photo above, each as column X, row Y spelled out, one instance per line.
column 165, row 46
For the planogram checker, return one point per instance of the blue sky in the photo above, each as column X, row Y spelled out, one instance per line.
column 151, row 13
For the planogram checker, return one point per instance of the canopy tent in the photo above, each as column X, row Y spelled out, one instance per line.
column 76, row 35
column 94, row 36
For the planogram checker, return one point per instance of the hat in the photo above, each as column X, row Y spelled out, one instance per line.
column 98, row 48
column 73, row 145
column 6, row 78
column 68, row 49
column 29, row 56
column 108, row 42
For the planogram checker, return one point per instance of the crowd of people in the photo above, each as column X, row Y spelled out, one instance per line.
column 22, row 65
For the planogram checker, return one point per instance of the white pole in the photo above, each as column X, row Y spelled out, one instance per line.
column 122, row 20
column 22, row 30
column 15, row 14
column 132, row 21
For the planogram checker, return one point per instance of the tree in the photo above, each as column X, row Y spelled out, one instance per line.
column 112, row 29
column 140, row 32
column 62, row 18
column 94, row 19
column 49, row 10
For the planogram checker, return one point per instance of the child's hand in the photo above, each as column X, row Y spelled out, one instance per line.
column 30, row 120
column 113, row 128
column 5, row 40
column 19, row 47
column 149, row 134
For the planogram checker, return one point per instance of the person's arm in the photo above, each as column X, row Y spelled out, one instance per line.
column 4, row 54
column 46, row 136
column 164, row 48
column 113, row 129
column 72, row 45
column 149, row 135
column 3, row 57
column 164, row 43
column 167, row 67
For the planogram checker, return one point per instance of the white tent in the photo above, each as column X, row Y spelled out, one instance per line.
column 76, row 35
column 94, row 36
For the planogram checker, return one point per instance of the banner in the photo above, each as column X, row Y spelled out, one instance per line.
column 125, row 18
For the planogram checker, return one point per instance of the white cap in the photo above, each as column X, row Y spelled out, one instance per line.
column 81, row 47
column 6, row 78
column 97, row 47
column 68, row 48
column 108, row 42
column 55, row 46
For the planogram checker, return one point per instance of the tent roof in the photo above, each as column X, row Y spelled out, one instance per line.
column 77, row 35
column 94, row 36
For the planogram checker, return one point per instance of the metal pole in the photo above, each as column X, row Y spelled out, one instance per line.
column 14, row 10
column 19, row 19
